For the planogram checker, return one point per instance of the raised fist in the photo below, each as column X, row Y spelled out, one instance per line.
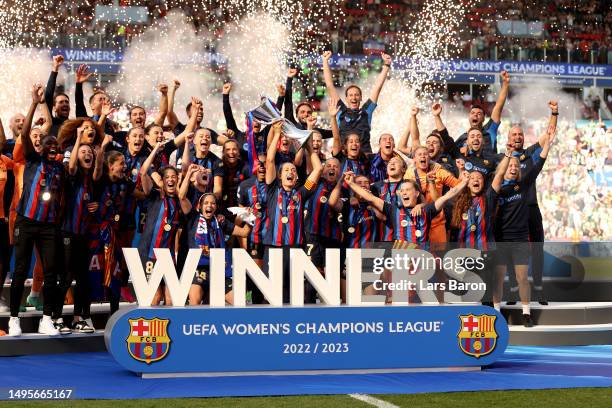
column 227, row 88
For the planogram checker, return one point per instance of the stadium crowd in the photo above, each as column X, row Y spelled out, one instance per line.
column 570, row 31
column 77, row 188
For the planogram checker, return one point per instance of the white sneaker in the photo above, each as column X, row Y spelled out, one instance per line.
column 90, row 323
column 14, row 327
column 47, row 327
column 3, row 306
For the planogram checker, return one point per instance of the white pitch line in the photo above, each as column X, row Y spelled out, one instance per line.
column 368, row 399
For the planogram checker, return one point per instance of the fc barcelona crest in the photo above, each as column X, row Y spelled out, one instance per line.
column 148, row 340
column 477, row 336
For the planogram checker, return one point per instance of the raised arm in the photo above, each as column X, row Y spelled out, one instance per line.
column 193, row 119
column 46, row 126
column 501, row 169
column 317, row 168
column 147, row 182
column 436, row 112
column 99, row 164
column 163, row 104
column 172, row 118
column 501, row 98
column 332, row 109
column 186, row 157
column 335, row 198
column 452, row 193
column 74, row 159
column 289, row 95
column 275, row 131
column 184, row 188
column 552, row 122
column 382, row 77
column 363, row 193
column 227, row 109
column 107, row 110
column 82, row 74
column 415, row 136
column 51, row 82
column 328, row 77
column 281, row 96
column 37, row 98
column 449, row 144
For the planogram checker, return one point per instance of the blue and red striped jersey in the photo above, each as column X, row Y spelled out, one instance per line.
column 42, row 189
column 386, row 191
column 232, row 177
column 320, row 217
column 112, row 198
column 163, row 222
column 408, row 228
column 476, row 229
column 252, row 193
column 207, row 234
column 361, row 167
column 285, row 215
column 78, row 192
column 359, row 224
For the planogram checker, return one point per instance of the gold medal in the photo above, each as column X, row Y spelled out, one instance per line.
column 108, row 203
column 473, row 228
column 444, row 159
column 259, row 215
column 167, row 227
column 205, row 250
column 464, row 216
column 486, row 162
column 516, row 187
column 46, row 196
column 117, row 217
column 305, row 213
column 404, row 223
column 294, row 198
column 418, row 233
column 85, row 196
column 285, row 220
column 339, row 217
column 258, row 206
column 254, row 252
column 477, row 213
column 225, row 197
column 351, row 230
column 323, row 199
column 134, row 172
column 43, row 182
column 522, row 157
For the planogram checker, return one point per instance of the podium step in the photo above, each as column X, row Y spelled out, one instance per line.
column 561, row 313
column 31, row 343
column 562, row 324
column 561, row 335
column 29, row 319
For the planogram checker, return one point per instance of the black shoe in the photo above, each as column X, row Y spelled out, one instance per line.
column 539, row 296
column 82, row 327
column 61, row 327
column 511, row 303
column 527, row 322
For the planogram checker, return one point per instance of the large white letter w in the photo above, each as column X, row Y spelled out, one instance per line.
column 163, row 268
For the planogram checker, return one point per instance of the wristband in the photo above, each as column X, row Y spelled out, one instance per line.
column 554, row 113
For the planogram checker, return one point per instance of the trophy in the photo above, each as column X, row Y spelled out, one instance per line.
column 267, row 113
